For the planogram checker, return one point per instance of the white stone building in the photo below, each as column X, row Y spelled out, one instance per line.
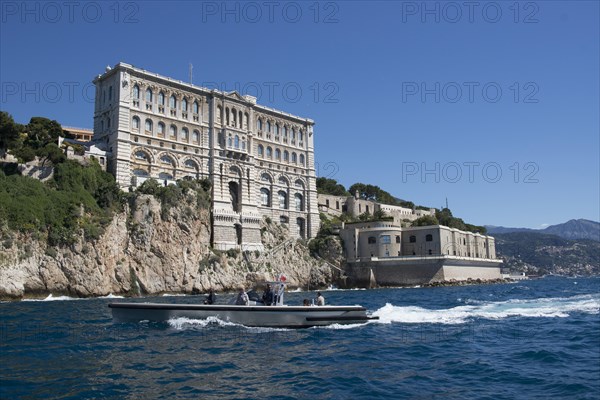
column 260, row 160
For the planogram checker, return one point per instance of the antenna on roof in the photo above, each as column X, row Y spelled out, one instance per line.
column 446, row 203
column 191, row 74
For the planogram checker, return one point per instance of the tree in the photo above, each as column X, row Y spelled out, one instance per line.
column 331, row 186
column 426, row 220
column 9, row 131
column 51, row 152
column 41, row 131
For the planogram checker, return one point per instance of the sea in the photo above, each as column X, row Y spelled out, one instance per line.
column 533, row 339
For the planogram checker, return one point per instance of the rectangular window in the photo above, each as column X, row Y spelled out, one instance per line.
column 385, row 239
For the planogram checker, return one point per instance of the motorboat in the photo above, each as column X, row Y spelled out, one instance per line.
column 255, row 314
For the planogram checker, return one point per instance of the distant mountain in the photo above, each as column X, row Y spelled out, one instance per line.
column 540, row 254
column 576, row 229
column 573, row 229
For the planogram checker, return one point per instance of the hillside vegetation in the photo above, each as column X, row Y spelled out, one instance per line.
column 540, row 254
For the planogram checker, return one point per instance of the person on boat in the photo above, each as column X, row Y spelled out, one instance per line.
column 306, row 303
column 267, row 296
column 320, row 300
column 242, row 298
column 211, row 298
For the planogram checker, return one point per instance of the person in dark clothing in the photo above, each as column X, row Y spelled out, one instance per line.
column 211, row 298
column 267, row 296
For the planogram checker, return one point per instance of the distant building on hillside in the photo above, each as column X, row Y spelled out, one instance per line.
column 79, row 134
column 355, row 206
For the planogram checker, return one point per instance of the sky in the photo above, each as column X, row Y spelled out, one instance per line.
column 492, row 106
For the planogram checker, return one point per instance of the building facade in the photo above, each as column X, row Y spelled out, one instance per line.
column 355, row 206
column 260, row 160
column 382, row 253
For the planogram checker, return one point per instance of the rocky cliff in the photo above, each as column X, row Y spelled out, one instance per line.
column 148, row 249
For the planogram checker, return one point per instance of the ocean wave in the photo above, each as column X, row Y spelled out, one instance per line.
column 557, row 307
column 57, row 298
column 68, row 298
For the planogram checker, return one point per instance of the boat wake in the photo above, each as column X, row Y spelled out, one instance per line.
column 560, row 307
column 183, row 323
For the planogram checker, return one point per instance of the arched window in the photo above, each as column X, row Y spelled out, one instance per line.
column 229, row 141
column 283, row 181
column 110, row 93
column 161, row 128
column 184, row 133
column 372, row 240
column 277, row 129
column 236, row 142
column 412, row 239
column 161, row 99
column 260, row 150
column 196, row 136
column 140, row 172
column 265, row 177
column 429, row 238
column 141, row 155
column 300, row 136
column 173, row 131
column 219, row 113
column 301, row 159
column 277, row 154
column 148, row 95
column 195, row 107
column 294, row 158
column 184, row 104
column 246, row 120
column 285, row 132
column 286, row 155
column 191, row 164
column 265, row 197
column 172, row 102
column 163, row 176
column 269, row 152
column 299, row 203
column 136, row 92
column 135, row 123
column 259, row 124
column 165, row 159
column 293, row 135
column 149, row 125
column 300, row 184
column 282, row 199
column 268, row 126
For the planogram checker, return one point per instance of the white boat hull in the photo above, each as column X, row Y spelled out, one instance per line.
column 264, row 316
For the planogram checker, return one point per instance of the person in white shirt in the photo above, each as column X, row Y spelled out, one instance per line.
column 320, row 299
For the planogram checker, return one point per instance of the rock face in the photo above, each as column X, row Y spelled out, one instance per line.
column 148, row 249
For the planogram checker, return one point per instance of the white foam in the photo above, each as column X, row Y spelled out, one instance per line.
column 111, row 296
column 183, row 323
column 557, row 307
column 52, row 298
column 174, row 295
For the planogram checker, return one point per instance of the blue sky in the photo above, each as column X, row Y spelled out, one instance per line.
column 494, row 106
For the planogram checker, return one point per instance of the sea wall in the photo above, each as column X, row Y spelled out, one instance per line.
column 149, row 250
column 419, row 271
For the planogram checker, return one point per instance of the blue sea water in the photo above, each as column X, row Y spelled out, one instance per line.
column 536, row 339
